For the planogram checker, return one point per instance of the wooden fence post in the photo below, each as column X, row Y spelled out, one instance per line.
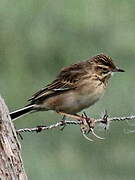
column 11, row 164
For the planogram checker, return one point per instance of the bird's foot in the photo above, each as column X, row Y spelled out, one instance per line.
column 87, row 126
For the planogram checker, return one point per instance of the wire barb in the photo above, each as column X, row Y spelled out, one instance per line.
column 63, row 123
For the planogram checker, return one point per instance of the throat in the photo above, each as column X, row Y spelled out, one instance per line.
column 104, row 79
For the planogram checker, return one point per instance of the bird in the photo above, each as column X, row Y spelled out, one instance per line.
column 75, row 88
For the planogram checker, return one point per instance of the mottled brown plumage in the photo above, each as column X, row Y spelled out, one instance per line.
column 76, row 87
column 65, row 81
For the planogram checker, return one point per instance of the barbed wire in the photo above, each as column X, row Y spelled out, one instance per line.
column 87, row 124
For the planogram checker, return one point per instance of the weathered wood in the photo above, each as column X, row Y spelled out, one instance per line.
column 11, row 165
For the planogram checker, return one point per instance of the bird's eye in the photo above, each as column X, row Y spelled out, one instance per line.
column 103, row 70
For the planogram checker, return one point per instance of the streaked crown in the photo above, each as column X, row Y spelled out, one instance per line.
column 104, row 64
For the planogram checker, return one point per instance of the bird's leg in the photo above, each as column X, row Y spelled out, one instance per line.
column 73, row 116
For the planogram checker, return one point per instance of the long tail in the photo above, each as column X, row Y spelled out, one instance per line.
column 20, row 112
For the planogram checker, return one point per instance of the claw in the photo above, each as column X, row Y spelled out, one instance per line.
column 94, row 134
column 86, row 137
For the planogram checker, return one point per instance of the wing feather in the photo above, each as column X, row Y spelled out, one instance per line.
column 65, row 81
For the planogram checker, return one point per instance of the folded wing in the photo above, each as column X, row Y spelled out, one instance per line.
column 65, row 81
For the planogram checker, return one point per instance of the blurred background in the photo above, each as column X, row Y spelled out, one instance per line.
column 37, row 39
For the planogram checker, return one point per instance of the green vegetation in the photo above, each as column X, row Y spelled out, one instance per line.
column 37, row 38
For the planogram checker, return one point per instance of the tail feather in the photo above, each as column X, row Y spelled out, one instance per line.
column 20, row 112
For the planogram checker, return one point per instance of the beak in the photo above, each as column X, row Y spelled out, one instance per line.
column 118, row 70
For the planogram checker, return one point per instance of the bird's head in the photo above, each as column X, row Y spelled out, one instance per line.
column 104, row 66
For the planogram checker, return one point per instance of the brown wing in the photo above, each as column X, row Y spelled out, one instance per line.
column 66, row 80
